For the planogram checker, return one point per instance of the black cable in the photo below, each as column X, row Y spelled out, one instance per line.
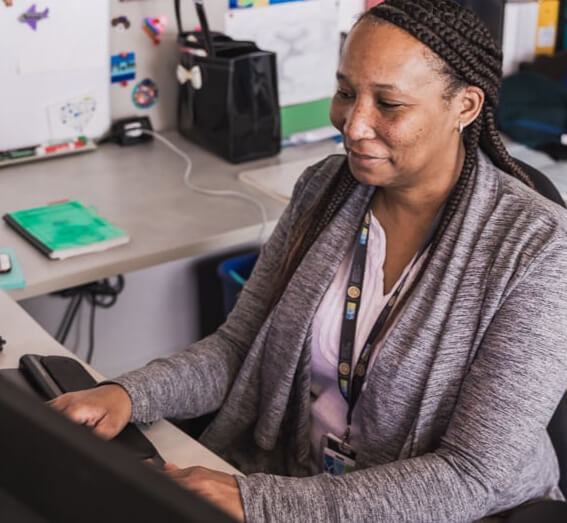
column 67, row 320
column 91, row 333
column 101, row 294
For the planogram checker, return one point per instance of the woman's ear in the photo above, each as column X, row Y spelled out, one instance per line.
column 471, row 100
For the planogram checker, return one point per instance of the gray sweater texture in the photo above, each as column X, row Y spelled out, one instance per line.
column 454, row 416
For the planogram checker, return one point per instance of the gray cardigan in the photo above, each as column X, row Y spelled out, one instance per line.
column 453, row 423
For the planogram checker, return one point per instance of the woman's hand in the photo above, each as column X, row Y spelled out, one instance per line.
column 106, row 409
column 219, row 488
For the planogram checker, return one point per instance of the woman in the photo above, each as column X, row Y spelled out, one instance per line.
column 458, row 348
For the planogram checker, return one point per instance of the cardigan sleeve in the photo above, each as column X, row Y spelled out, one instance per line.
column 507, row 400
column 196, row 380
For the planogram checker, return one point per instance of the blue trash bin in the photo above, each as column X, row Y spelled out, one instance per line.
column 233, row 274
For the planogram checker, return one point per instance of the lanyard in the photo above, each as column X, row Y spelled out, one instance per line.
column 351, row 389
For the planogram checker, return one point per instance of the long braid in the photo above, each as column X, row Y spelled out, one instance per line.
column 469, row 56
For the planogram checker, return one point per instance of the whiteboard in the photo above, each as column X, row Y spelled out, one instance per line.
column 55, row 80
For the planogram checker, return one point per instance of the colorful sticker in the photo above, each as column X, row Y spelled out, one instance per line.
column 122, row 67
column 145, row 93
column 154, row 27
column 32, row 17
column 121, row 23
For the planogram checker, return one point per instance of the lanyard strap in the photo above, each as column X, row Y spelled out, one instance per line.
column 351, row 389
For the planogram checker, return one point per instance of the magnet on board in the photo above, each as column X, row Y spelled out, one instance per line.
column 32, row 17
column 145, row 93
column 122, row 68
column 121, row 23
column 154, row 27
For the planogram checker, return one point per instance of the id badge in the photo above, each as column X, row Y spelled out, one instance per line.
column 338, row 458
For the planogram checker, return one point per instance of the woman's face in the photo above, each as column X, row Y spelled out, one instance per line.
column 398, row 129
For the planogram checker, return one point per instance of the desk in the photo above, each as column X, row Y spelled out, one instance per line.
column 24, row 335
column 140, row 189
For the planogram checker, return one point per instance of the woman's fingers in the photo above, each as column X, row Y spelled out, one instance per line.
column 219, row 488
column 106, row 409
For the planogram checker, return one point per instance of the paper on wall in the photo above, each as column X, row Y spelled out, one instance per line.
column 305, row 37
column 72, row 117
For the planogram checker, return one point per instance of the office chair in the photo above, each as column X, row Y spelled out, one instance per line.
column 548, row 511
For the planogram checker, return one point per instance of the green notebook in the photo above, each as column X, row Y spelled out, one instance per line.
column 66, row 229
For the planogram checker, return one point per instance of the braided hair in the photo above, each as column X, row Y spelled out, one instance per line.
column 466, row 54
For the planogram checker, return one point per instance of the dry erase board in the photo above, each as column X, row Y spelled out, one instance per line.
column 54, row 77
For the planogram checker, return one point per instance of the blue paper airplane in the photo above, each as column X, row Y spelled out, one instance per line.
column 32, row 17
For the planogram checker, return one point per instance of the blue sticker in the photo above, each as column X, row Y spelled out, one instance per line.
column 122, row 67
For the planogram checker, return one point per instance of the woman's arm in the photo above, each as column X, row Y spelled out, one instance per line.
column 507, row 400
column 197, row 380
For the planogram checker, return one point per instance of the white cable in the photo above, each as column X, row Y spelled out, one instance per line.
column 202, row 190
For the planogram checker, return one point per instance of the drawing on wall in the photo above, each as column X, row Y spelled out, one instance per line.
column 305, row 37
column 122, row 68
column 32, row 16
column 72, row 117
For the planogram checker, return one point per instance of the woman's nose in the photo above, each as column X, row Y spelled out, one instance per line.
column 359, row 123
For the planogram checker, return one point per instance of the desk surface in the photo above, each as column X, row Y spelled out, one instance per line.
column 24, row 335
column 141, row 190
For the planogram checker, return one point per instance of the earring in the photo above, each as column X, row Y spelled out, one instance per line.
column 461, row 127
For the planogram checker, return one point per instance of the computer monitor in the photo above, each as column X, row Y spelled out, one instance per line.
column 54, row 470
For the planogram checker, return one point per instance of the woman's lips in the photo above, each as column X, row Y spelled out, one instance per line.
column 364, row 159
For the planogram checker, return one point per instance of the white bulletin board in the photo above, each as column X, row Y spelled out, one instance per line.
column 54, row 80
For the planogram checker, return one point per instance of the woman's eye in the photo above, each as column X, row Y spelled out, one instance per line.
column 341, row 93
column 389, row 105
